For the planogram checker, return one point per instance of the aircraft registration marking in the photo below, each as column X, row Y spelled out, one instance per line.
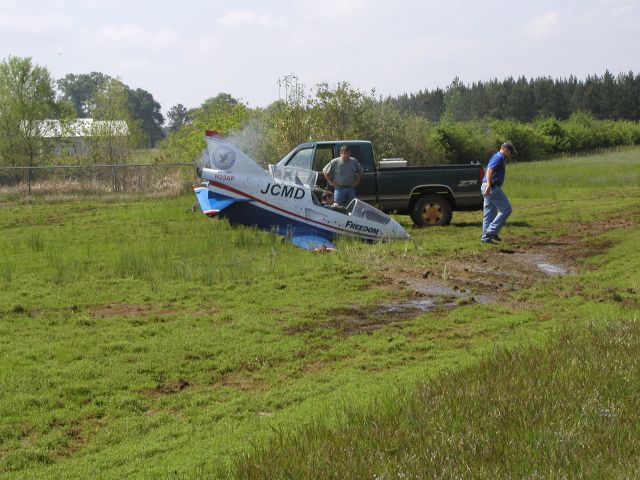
column 227, row 178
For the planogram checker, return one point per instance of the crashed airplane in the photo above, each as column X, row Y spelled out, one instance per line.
column 283, row 200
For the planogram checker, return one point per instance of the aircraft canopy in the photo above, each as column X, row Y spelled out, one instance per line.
column 359, row 209
column 298, row 176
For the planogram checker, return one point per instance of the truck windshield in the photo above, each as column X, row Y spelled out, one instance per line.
column 357, row 208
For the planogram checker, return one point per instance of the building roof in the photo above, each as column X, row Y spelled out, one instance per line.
column 81, row 127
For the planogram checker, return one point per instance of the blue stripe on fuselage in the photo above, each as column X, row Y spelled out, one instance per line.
column 252, row 215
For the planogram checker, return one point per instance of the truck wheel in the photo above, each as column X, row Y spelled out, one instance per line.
column 431, row 210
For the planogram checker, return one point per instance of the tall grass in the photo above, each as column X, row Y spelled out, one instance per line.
column 35, row 240
column 568, row 177
column 567, row 410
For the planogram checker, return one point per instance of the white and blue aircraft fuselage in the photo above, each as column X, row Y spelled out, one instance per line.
column 282, row 200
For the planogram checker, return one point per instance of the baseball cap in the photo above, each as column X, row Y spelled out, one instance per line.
column 509, row 146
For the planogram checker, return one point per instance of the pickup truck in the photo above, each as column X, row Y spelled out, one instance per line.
column 428, row 193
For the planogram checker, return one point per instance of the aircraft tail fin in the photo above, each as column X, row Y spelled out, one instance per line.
column 223, row 155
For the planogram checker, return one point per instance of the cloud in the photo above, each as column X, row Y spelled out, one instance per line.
column 34, row 23
column 544, row 26
column 332, row 8
column 205, row 45
column 248, row 18
column 136, row 35
column 624, row 9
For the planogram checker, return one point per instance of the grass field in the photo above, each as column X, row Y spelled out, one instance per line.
column 141, row 339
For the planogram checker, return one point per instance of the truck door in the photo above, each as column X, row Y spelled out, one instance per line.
column 322, row 156
column 366, row 190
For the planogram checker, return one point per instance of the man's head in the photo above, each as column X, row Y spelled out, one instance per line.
column 508, row 149
column 327, row 198
column 345, row 151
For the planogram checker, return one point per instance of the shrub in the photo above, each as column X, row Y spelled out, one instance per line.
column 459, row 143
column 553, row 134
column 529, row 142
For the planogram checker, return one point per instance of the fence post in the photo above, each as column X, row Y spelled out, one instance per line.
column 113, row 168
column 29, row 179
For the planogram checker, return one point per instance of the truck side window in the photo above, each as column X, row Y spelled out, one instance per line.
column 302, row 159
column 324, row 154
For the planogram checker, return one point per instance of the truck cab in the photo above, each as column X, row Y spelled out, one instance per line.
column 428, row 193
column 315, row 155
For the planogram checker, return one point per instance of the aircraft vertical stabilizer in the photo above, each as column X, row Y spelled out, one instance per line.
column 222, row 155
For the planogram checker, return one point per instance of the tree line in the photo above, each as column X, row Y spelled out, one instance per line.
column 342, row 112
column 456, row 125
column 605, row 97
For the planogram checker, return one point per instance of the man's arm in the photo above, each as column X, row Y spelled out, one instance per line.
column 330, row 179
column 328, row 175
column 359, row 171
column 357, row 179
column 489, row 177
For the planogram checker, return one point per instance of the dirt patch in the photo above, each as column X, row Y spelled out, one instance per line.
column 243, row 382
column 355, row 320
column 482, row 278
column 431, row 284
column 168, row 388
column 517, row 263
column 129, row 310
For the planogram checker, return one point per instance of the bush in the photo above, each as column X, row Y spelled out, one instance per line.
column 529, row 142
column 553, row 134
column 459, row 143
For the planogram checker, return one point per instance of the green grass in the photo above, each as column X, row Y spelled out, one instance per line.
column 138, row 338
column 567, row 408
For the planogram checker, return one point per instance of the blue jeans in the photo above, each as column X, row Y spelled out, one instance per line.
column 343, row 195
column 496, row 211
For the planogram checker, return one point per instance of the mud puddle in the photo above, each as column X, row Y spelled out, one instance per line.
column 473, row 279
column 551, row 269
column 543, row 261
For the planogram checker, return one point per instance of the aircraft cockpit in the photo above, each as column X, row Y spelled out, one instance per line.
column 307, row 178
column 293, row 175
column 359, row 209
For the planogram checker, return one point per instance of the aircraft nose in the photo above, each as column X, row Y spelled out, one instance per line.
column 397, row 231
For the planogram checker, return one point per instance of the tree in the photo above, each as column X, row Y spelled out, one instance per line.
column 289, row 116
column 521, row 102
column 178, row 116
column 454, row 102
column 27, row 97
column 222, row 113
column 146, row 110
column 338, row 112
column 106, row 141
column 80, row 89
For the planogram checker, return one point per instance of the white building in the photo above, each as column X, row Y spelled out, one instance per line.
column 69, row 135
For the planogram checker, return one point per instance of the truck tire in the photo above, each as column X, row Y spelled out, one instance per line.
column 431, row 210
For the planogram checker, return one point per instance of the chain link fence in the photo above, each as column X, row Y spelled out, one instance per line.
column 161, row 179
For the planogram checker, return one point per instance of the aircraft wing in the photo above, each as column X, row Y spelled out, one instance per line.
column 314, row 243
column 212, row 203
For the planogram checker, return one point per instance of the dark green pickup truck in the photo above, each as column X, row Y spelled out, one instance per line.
column 428, row 193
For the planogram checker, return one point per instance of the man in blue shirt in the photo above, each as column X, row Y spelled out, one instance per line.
column 497, row 207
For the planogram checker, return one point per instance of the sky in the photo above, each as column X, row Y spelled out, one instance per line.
column 187, row 51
